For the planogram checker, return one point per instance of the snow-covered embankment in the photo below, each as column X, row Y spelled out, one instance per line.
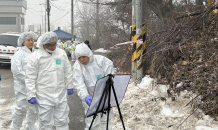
column 146, row 106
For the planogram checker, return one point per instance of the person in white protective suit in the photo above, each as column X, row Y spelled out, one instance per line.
column 59, row 44
column 73, row 48
column 18, row 67
column 48, row 81
column 87, row 69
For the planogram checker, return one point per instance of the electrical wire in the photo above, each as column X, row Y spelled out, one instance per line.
column 59, row 14
column 34, row 13
column 57, row 7
column 61, row 17
column 34, row 7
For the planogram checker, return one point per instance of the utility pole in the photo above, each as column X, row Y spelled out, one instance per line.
column 45, row 15
column 144, row 30
column 42, row 14
column 133, row 38
column 48, row 13
column 40, row 30
column 139, row 47
column 72, row 24
column 97, row 23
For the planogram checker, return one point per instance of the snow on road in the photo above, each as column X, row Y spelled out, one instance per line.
column 6, row 107
column 146, row 106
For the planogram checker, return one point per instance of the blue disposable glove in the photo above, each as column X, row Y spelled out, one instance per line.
column 32, row 100
column 88, row 100
column 69, row 91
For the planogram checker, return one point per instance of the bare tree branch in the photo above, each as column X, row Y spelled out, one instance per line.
column 108, row 3
column 197, row 13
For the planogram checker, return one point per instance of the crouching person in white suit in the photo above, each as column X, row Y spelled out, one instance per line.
column 48, row 81
column 87, row 69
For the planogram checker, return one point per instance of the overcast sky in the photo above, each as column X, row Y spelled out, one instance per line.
column 60, row 12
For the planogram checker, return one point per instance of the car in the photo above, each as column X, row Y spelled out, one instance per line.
column 8, row 46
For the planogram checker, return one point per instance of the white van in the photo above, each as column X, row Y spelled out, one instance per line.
column 8, row 46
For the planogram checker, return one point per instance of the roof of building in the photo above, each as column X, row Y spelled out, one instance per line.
column 62, row 34
column 21, row 3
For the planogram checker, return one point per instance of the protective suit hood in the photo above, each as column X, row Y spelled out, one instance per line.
column 83, row 50
column 46, row 38
column 23, row 37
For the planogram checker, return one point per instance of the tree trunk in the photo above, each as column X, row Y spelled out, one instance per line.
column 97, row 24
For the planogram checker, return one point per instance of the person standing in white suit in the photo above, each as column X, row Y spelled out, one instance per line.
column 18, row 67
column 87, row 69
column 48, row 81
column 59, row 44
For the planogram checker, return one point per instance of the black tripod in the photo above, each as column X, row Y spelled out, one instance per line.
column 105, row 96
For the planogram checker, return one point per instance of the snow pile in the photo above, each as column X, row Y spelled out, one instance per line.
column 102, row 50
column 147, row 107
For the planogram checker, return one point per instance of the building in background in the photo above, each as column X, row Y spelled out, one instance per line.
column 12, row 15
column 62, row 34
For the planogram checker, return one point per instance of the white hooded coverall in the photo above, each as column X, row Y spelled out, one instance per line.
column 84, row 80
column 59, row 44
column 48, row 77
column 23, row 108
column 73, row 51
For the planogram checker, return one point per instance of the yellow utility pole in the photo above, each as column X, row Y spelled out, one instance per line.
column 138, row 31
column 144, row 43
column 139, row 47
column 133, row 38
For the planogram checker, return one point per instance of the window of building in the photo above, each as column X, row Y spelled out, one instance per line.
column 7, row 20
column 22, row 21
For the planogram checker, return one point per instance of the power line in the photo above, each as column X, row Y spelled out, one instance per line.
column 61, row 17
column 34, row 13
column 34, row 7
column 62, row 6
column 56, row 6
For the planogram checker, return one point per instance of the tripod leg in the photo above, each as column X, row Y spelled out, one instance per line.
column 121, row 117
column 96, row 112
column 105, row 98
column 109, row 105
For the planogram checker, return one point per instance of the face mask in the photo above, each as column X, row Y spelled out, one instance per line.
column 49, row 51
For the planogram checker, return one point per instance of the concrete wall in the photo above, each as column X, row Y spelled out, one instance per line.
column 12, row 27
column 13, row 8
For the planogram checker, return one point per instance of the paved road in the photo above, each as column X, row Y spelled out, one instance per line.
column 7, row 104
